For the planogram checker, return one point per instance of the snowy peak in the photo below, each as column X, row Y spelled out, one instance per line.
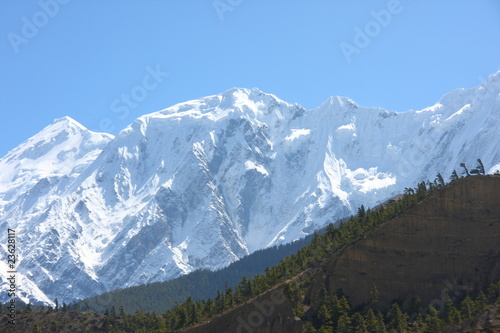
column 239, row 96
column 339, row 103
column 63, row 148
column 68, row 122
column 251, row 102
column 62, row 132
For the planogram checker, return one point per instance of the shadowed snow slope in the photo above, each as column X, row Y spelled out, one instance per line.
column 203, row 183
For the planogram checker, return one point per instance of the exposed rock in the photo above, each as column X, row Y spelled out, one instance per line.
column 447, row 244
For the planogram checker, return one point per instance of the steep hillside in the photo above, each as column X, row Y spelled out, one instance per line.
column 452, row 237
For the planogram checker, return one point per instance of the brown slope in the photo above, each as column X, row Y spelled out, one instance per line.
column 449, row 243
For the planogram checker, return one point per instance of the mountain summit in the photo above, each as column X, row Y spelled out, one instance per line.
column 205, row 182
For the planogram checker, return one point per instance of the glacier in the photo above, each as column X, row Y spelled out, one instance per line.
column 203, row 183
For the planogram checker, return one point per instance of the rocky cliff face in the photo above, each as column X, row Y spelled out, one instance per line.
column 448, row 243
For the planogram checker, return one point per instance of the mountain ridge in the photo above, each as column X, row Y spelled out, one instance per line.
column 205, row 182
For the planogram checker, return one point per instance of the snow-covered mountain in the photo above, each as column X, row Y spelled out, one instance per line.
column 205, row 182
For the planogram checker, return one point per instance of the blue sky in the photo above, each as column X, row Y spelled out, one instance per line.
column 82, row 58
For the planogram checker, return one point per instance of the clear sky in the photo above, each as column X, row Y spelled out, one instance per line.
column 104, row 63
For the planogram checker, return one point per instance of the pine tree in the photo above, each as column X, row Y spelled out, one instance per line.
column 122, row 312
column 468, row 307
column 418, row 325
column 371, row 321
column 480, row 166
column 325, row 329
column 397, row 320
column 229, row 298
column 481, row 301
column 440, row 180
column 435, row 324
column 454, row 176
column 343, row 306
column 421, row 191
column 466, row 171
column 452, row 314
column 219, row 302
column 324, row 314
column 380, row 324
column 344, row 324
column 361, row 213
column 209, row 306
column 244, row 287
column 493, row 292
column 358, row 323
column 292, row 292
